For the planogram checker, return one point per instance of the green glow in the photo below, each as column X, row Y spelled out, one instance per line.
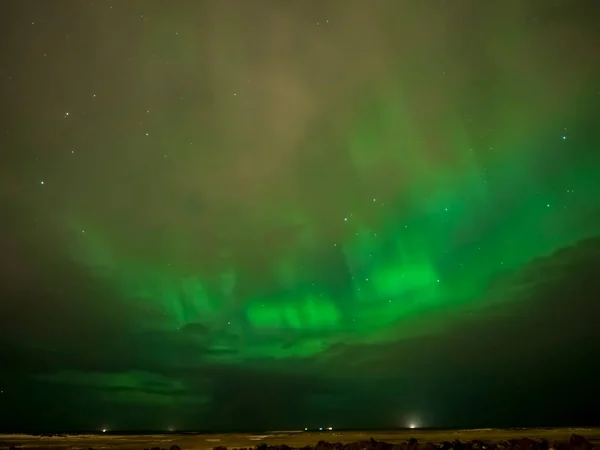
column 309, row 313
column 449, row 221
column 294, row 214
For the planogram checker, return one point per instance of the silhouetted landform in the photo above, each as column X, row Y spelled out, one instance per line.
column 477, row 439
column 576, row 442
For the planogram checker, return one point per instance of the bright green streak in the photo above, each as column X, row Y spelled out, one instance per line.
column 452, row 223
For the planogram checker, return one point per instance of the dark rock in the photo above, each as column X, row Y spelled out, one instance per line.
column 412, row 444
column 323, row 445
column 503, row 445
column 175, row 447
column 578, row 442
column 522, row 444
column 478, row 445
column 370, row 444
column 353, row 446
column 542, row 444
column 381, row 445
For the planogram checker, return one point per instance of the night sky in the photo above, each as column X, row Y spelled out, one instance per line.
column 285, row 214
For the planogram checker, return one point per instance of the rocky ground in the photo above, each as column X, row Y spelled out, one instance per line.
column 488, row 439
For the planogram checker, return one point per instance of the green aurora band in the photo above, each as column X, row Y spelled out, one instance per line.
column 459, row 219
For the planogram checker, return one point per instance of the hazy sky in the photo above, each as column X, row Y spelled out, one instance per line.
column 287, row 214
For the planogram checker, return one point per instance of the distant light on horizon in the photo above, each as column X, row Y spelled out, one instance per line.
column 412, row 425
column 104, row 430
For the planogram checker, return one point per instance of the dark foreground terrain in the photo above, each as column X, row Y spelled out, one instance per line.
column 483, row 439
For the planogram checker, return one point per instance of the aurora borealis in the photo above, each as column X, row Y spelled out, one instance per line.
column 263, row 215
